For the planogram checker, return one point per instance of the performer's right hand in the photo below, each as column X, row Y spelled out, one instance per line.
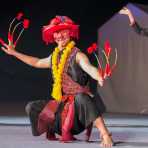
column 9, row 49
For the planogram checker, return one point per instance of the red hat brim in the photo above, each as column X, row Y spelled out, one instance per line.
column 47, row 32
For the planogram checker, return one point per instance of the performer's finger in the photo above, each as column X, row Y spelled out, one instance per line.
column 125, row 8
column 6, row 45
column 4, row 49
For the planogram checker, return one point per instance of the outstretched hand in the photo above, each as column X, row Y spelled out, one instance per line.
column 125, row 11
column 8, row 48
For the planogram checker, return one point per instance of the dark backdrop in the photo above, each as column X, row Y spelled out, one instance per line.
column 21, row 82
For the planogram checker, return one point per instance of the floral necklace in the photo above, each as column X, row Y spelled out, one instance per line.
column 57, row 69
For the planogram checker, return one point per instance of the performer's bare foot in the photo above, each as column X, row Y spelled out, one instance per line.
column 106, row 141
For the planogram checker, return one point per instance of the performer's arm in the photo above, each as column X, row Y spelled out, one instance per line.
column 84, row 63
column 137, row 28
column 32, row 61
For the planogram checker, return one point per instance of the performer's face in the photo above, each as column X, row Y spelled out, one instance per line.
column 62, row 37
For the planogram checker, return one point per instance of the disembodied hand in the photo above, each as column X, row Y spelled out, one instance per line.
column 125, row 11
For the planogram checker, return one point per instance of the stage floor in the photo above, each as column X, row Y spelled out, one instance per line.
column 128, row 131
column 20, row 137
column 111, row 120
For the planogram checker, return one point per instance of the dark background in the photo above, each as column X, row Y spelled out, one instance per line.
column 22, row 82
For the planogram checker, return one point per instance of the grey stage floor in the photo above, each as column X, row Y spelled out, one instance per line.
column 20, row 137
column 128, row 132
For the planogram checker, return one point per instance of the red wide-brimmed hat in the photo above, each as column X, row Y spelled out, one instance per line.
column 59, row 23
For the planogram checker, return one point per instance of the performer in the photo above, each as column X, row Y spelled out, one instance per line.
column 73, row 107
column 133, row 23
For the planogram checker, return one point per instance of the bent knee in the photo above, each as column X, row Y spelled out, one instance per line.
column 28, row 107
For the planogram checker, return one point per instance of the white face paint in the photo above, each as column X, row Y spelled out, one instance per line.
column 62, row 37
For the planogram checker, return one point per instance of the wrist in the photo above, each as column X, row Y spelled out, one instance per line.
column 14, row 52
column 132, row 20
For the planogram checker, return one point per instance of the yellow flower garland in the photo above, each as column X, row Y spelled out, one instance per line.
column 57, row 69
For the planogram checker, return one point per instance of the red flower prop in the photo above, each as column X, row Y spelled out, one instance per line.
column 19, row 16
column 10, row 37
column 13, row 27
column 101, row 72
column 108, row 69
column 92, row 48
column 26, row 23
column 2, row 42
column 107, row 48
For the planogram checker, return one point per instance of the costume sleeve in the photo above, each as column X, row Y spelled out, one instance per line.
column 140, row 30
